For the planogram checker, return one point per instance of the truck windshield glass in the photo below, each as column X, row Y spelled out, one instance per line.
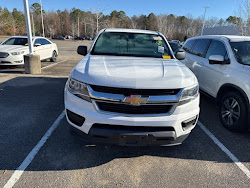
column 131, row 44
column 241, row 51
column 16, row 41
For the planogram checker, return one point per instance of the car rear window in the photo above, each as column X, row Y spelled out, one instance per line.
column 241, row 51
column 200, row 47
column 44, row 42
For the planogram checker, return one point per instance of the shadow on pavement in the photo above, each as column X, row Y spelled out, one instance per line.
column 12, row 69
column 28, row 107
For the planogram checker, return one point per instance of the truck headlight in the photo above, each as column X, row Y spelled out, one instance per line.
column 17, row 53
column 78, row 89
column 189, row 94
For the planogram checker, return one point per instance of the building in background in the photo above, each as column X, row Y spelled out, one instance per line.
column 225, row 30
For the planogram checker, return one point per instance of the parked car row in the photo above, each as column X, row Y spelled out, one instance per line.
column 70, row 37
column 222, row 66
column 83, row 38
column 175, row 46
column 12, row 50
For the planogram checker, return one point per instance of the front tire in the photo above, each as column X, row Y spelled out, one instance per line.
column 233, row 112
column 54, row 56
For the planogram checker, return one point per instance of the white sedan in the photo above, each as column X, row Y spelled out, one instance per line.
column 13, row 49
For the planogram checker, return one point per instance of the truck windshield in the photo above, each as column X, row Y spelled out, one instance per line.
column 131, row 44
column 16, row 41
column 241, row 51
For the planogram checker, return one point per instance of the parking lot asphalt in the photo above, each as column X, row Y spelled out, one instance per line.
column 30, row 106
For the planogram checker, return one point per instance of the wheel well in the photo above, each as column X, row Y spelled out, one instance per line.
column 230, row 87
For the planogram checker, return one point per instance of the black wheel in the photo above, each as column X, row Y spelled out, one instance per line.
column 54, row 56
column 233, row 112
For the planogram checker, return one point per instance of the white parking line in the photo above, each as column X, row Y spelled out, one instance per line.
column 18, row 173
column 242, row 167
column 53, row 64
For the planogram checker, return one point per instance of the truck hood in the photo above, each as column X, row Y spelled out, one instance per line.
column 13, row 48
column 133, row 72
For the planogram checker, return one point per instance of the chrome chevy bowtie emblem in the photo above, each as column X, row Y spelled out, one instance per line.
column 135, row 100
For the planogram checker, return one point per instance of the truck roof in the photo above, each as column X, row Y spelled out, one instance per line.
column 130, row 31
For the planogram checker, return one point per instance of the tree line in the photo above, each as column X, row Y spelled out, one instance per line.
column 76, row 22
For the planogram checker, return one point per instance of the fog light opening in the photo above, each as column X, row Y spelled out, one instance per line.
column 189, row 123
column 19, row 61
column 75, row 118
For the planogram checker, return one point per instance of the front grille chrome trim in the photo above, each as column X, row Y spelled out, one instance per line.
column 104, row 96
column 4, row 54
column 120, row 97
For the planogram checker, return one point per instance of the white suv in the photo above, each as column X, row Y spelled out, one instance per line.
column 130, row 89
column 222, row 66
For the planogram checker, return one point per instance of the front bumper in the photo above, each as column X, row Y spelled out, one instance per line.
column 12, row 60
column 112, row 129
column 129, row 138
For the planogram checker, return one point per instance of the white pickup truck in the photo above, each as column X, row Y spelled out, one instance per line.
column 130, row 89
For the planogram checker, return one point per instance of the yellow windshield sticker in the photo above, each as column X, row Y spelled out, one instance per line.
column 159, row 42
column 26, row 44
column 166, row 57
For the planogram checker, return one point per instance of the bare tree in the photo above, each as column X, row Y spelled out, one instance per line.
column 98, row 13
column 50, row 23
column 211, row 22
column 73, row 29
column 133, row 22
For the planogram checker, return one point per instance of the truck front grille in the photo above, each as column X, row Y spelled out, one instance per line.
column 130, row 91
column 131, row 109
column 3, row 54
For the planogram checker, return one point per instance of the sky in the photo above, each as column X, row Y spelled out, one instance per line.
column 217, row 8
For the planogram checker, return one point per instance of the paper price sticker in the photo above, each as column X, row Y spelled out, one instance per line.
column 157, row 38
column 160, row 49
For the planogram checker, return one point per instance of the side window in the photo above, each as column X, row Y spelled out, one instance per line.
column 216, row 48
column 38, row 41
column 188, row 46
column 44, row 42
column 200, row 47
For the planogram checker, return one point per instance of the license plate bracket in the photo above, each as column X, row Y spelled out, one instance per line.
column 133, row 140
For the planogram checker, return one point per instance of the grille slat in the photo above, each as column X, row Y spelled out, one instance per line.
column 130, row 91
column 130, row 109
column 3, row 54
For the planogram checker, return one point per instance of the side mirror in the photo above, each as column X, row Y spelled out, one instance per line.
column 180, row 55
column 217, row 59
column 82, row 50
column 37, row 44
